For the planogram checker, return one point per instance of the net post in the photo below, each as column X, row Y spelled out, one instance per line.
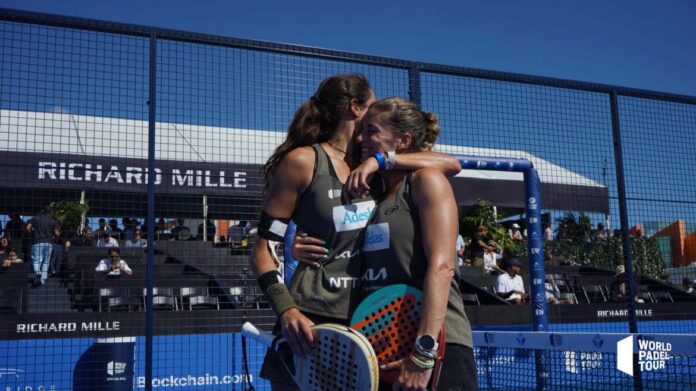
column 151, row 175
column 623, row 216
column 535, row 251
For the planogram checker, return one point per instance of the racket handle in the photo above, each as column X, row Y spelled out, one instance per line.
column 250, row 331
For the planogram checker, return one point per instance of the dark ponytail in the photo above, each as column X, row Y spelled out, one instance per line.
column 317, row 119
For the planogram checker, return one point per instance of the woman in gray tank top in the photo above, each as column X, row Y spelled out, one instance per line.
column 304, row 179
column 410, row 239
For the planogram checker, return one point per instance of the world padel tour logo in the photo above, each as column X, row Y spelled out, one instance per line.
column 652, row 355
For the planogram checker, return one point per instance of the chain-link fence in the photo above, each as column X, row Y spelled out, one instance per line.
column 90, row 110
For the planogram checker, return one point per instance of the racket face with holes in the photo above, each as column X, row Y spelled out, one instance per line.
column 389, row 318
column 341, row 360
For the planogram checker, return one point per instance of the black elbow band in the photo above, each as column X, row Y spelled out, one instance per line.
column 272, row 228
column 276, row 292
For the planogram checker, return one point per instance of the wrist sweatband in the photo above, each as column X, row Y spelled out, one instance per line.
column 390, row 161
column 272, row 228
column 380, row 160
column 276, row 292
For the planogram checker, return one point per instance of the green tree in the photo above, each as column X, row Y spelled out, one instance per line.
column 578, row 228
column 483, row 214
column 69, row 215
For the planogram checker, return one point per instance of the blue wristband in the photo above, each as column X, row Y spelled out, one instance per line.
column 380, row 160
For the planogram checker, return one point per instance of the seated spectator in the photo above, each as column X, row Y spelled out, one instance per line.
column 113, row 265
column 14, row 229
column 688, row 285
column 86, row 239
column 102, row 228
column 210, row 231
column 137, row 241
column 514, row 233
column 490, row 264
column 600, row 234
column 548, row 233
column 129, row 227
column 4, row 247
column 114, row 230
column 553, row 294
column 11, row 259
column 107, row 241
column 180, row 231
column 236, row 234
column 619, row 289
column 637, row 231
column 509, row 285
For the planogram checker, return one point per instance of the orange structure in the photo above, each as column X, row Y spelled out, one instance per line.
column 683, row 245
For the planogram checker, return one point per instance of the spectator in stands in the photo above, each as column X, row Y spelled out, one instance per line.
column 637, row 231
column 114, row 230
column 129, row 228
column 460, row 247
column 102, row 228
column 564, row 233
column 181, row 231
column 11, row 259
column 509, row 285
column 107, row 241
column 43, row 229
column 14, row 229
column 514, row 232
column 137, row 241
column 480, row 243
column 210, row 231
column 553, row 294
column 548, row 233
column 490, row 264
column 86, row 239
column 236, row 234
column 601, row 234
column 688, row 285
column 619, row 289
column 114, row 266
column 4, row 247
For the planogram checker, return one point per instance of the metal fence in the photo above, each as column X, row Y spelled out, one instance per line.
column 89, row 108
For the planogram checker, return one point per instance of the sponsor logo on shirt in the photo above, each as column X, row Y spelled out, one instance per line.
column 376, row 237
column 353, row 282
column 352, row 216
column 334, row 193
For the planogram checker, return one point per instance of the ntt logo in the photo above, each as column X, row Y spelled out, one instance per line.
column 652, row 355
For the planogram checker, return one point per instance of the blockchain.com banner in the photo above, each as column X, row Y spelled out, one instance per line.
column 180, row 362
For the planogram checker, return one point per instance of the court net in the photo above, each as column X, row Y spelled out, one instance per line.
column 584, row 361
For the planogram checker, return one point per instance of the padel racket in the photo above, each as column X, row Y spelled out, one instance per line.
column 389, row 318
column 342, row 359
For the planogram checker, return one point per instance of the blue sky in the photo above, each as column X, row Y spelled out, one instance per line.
column 637, row 43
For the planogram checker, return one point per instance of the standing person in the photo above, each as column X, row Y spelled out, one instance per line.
column 411, row 235
column 43, row 229
column 304, row 181
column 14, row 228
column 481, row 244
column 461, row 248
